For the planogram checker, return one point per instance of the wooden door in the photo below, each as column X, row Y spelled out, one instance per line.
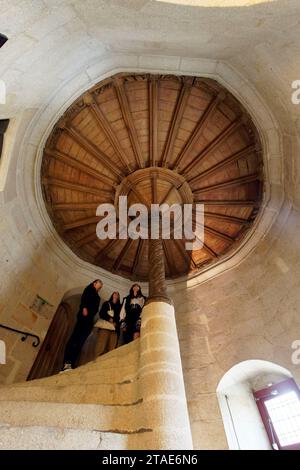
column 50, row 357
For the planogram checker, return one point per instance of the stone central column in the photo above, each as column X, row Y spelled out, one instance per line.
column 160, row 372
column 157, row 277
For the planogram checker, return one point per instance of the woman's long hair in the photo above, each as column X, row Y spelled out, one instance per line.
column 112, row 297
column 139, row 293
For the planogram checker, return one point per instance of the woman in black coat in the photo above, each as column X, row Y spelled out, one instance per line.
column 131, row 313
column 108, row 325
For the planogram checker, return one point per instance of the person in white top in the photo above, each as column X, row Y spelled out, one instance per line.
column 130, row 315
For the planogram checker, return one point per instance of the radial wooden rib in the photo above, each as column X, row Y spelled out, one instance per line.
column 86, row 240
column 103, row 253
column 186, row 255
column 227, row 184
column 110, row 134
column 123, row 253
column 222, row 202
column 80, row 223
column 137, row 259
column 76, row 187
column 72, row 162
column 209, row 251
column 211, row 108
column 227, row 132
column 244, row 153
column 176, row 120
column 90, row 148
column 227, row 218
column 124, row 105
column 154, row 188
column 218, row 234
column 75, row 206
column 153, row 120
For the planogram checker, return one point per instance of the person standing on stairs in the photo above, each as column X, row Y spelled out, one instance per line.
column 89, row 306
column 108, row 325
column 130, row 315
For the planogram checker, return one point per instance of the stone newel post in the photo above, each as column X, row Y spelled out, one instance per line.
column 160, row 375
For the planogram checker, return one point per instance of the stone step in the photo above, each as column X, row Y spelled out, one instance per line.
column 124, row 393
column 101, row 418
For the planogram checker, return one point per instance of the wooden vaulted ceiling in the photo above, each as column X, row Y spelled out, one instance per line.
column 155, row 138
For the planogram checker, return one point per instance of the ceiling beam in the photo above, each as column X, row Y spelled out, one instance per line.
column 75, row 206
column 211, row 108
column 72, row 162
column 223, row 163
column 80, row 223
column 213, row 144
column 138, row 255
column 176, row 120
column 76, row 187
column 108, row 131
column 86, row 240
column 227, row 184
column 218, row 234
column 209, row 251
column 186, row 254
column 153, row 120
column 127, row 116
column 122, row 254
column 227, row 218
column 90, row 148
column 222, row 202
column 103, row 253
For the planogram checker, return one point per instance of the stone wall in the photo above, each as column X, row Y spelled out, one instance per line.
column 251, row 312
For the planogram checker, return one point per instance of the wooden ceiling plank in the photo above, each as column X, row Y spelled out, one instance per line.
column 153, row 120
column 209, row 250
column 137, row 259
column 212, row 231
column 80, row 223
column 103, row 253
column 211, row 108
column 72, row 162
column 227, row 218
column 75, row 206
column 222, row 202
column 186, row 255
column 176, row 120
column 123, row 253
column 218, row 234
column 110, row 134
column 127, row 116
column 223, row 163
column 90, row 148
column 227, row 132
column 77, row 187
column 227, row 184
column 86, row 240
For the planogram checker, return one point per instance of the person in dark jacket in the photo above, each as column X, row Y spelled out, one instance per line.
column 131, row 314
column 89, row 306
column 108, row 325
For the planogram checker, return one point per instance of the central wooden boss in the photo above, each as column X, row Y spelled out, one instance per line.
column 155, row 139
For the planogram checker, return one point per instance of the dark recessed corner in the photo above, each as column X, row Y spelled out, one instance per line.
column 3, row 39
